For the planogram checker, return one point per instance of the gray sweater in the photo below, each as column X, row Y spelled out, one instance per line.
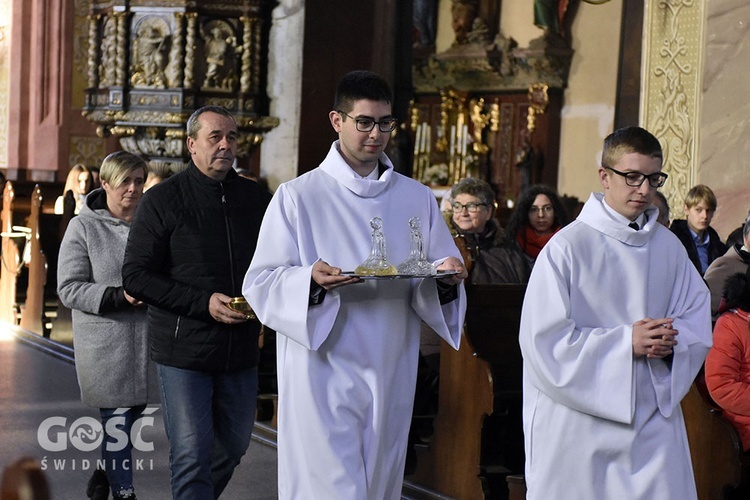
column 110, row 336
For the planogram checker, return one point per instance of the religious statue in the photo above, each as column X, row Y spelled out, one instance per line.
column 550, row 15
column 463, row 13
column 220, row 45
column 425, row 20
column 151, row 47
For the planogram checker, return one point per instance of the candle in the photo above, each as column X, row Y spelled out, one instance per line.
column 416, row 140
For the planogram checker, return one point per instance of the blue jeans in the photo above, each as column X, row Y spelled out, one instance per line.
column 209, row 419
column 119, row 464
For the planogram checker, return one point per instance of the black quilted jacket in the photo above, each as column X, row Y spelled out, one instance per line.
column 193, row 236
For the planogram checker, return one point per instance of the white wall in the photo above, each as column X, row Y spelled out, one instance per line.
column 589, row 102
column 280, row 148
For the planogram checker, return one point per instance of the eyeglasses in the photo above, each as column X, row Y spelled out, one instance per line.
column 546, row 209
column 365, row 124
column 635, row 179
column 471, row 207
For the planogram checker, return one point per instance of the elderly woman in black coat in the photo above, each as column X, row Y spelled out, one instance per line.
column 493, row 260
column 109, row 326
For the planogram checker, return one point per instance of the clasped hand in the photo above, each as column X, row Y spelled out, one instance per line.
column 654, row 338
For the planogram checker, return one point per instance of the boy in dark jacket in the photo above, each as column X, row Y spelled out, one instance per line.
column 701, row 241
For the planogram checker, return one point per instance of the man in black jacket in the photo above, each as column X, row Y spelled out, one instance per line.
column 190, row 243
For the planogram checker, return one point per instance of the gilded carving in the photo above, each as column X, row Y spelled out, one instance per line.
column 672, row 86
column 86, row 150
column 174, row 71
column 93, row 58
column 479, row 119
column 120, row 67
column 220, row 47
column 108, row 64
column 151, row 65
column 190, row 50
column 150, row 49
column 246, row 68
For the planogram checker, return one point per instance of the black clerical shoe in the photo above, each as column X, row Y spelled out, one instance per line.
column 98, row 487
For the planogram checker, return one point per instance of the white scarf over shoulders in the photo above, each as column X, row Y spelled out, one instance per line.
column 347, row 367
column 600, row 423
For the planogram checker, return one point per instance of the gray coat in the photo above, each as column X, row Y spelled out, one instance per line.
column 111, row 348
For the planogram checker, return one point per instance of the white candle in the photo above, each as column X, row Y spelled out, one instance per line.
column 416, row 140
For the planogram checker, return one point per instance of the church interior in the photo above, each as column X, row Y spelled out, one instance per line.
column 515, row 92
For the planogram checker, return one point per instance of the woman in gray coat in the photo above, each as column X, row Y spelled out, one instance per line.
column 109, row 326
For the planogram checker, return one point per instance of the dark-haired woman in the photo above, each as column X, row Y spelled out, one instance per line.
column 537, row 216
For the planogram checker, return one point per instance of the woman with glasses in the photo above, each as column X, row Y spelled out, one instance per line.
column 492, row 259
column 538, row 215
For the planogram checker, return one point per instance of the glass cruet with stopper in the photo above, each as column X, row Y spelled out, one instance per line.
column 376, row 264
column 416, row 263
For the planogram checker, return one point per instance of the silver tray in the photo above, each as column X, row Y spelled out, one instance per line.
column 440, row 274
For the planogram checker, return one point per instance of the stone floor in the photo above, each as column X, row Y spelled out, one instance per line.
column 37, row 384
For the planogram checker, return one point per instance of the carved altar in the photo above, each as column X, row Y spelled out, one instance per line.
column 488, row 108
column 150, row 67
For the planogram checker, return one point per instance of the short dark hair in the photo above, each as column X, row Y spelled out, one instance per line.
column 193, row 125
column 736, row 291
column 663, row 199
column 629, row 140
column 359, row 85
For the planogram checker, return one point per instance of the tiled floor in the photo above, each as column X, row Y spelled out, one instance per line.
column 36, row 386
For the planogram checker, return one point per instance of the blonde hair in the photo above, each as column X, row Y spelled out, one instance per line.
column 700, row 193
column 116, row 167
column 71, row 182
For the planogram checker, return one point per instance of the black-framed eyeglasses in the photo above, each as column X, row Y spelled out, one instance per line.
column 635, row 179
column 365, row 124
column 471, row 207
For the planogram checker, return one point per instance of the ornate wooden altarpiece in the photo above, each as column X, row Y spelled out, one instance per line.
column 152, row 63
column 488, row 108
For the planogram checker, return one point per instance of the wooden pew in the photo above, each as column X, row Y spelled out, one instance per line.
column 478, row 437
column 32, row 318
column 24, row 480
column 719, row 463
column 11, row 258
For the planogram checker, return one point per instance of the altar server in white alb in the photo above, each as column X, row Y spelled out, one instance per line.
column 615, row 326
column 347, row 348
